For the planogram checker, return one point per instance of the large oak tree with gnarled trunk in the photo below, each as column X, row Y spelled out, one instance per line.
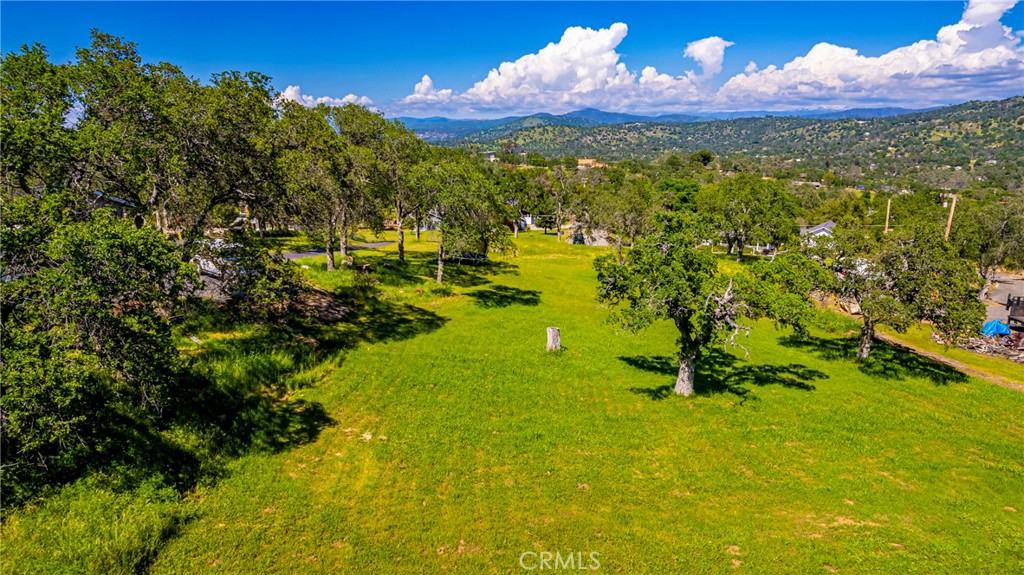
column 665, row 276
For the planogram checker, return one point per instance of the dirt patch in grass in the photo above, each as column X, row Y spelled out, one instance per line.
column 321, row 304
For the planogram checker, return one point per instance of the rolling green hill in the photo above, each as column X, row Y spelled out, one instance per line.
column 964, row 135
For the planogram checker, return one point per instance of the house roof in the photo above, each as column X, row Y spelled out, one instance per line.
column 120, row 201
column 823, row 228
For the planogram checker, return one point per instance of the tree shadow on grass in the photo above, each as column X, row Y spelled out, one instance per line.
column 235, row 395
column 338, row 322
column 886, row 361
column 720, row 372
column 232, row 395
column 420, row 267
column 504, row 296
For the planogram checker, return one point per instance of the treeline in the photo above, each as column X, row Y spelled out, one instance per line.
column 977, row 145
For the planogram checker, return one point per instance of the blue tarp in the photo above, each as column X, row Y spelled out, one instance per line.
column 995, row 327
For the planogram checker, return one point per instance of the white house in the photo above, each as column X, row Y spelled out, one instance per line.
column 812, row 234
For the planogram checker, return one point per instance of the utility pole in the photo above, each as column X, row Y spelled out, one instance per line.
column 888, row 206
column 949, row 222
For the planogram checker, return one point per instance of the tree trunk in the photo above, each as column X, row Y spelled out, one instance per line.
column 687, row 375
column 867, row 336
column 558, row 225
column 440, row 262
column 728, row 244
column 515, row 229
column 399, row 216
column 166, row 219
column 739, row 248
column 416, row 228
column 618, row 250
column 330, row 252
column 343, row 239
column 986, row 282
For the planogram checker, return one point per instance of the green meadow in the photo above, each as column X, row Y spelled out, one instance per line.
column 421, row 429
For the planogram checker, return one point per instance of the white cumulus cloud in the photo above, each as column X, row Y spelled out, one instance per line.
column 978, row 57
column 426, row 93
column 582, row 69
column 295, row 94
column 709, row 53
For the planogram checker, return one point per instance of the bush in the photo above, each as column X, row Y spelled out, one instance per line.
column 832, row 322
column 441, row 290
column 87, row 354
column 365, row 283
column 260, row 285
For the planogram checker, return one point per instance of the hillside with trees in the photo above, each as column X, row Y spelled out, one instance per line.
column 948, row 147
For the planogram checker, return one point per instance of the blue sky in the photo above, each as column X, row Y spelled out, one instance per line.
column 379, row 51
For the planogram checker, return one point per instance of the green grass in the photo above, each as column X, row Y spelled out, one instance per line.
column 299, row 241
column 90, row 529
column 451, row 442
column 920, row 337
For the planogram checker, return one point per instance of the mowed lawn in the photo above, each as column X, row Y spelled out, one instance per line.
column 454, row 443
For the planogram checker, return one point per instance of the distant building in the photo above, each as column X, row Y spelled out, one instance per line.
column 489, row 155
column 120, row 206
column 815, row 185
column 811, row 234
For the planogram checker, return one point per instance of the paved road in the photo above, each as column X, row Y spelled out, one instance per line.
column 1003, row 285
column 320, row 252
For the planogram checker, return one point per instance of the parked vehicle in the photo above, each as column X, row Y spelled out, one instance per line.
column 215, row 256
column 1015, row 305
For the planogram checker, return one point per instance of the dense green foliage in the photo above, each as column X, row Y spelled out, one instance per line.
column 87, row 351
column 668, row 276
column 746, row 209
column 990, row 234
column 463, row 204
column 949, row 147
column 903, row 277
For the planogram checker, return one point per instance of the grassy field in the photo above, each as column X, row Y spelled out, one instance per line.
column 919, row 336
column 430, row 432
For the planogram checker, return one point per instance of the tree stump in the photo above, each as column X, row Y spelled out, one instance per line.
column 554, row 339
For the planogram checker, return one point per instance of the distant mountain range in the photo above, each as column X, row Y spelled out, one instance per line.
column 446, row 130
